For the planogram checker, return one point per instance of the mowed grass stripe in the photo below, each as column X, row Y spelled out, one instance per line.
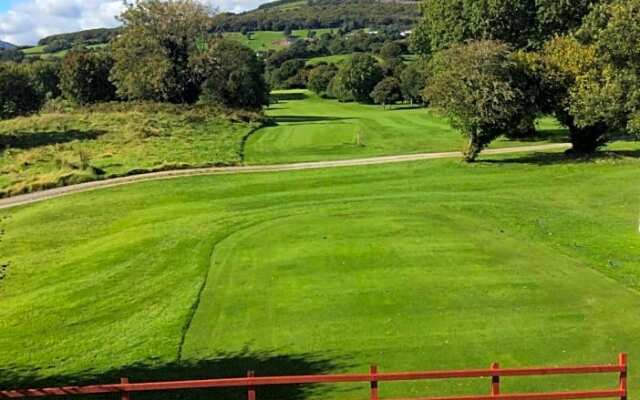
column 311, row 129
column 421, row 265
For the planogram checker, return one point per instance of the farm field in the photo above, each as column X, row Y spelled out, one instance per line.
column 39, row 51
column 310, row 128
column 522, row 259
column 270, row 40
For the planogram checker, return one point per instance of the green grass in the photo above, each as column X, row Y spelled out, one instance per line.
column 270, row 40
column 310, row 128
column 55, row 149
column 333, row 59
column 525, row 260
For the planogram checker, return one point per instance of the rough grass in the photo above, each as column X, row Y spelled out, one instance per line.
column 309, row 128
column 526, row 260
column 60, row 148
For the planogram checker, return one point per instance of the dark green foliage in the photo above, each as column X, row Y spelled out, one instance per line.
column 45, row 77
column 12, row 55
column 387, row 92
column 17, row 94
column 338, row 89
column 155, row 50
column 88, row 37
column 84, row 77
column 346, row 14
column 391, row 50
column 360, row 75
column 290, row 75
column 413, row 80
column 476, row 86
column 57, row 45
column 522, row 23
column 609, row 93
column 234, row 76
column 320, row 77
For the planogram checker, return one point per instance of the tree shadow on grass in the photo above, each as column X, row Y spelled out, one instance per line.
column 227, row 365
column 547, row 135
column 304, row 119
column 288, row 96
column 563, row 158
column 30, row 140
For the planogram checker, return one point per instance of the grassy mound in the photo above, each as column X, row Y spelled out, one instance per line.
column 522, row 259
column 77, row 145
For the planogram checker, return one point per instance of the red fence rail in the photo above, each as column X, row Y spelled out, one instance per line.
column 495, row 373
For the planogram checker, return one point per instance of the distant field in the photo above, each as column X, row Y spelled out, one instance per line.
column 333, row 59
column 270, row 40
column 523, row 259
column 39, row 51
column 310, row 128
column 56, row 149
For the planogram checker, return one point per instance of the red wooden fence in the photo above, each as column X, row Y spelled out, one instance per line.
column 495, row 373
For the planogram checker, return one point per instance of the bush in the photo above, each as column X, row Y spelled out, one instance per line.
column 45, row 77
column 84, row 77
column 17, row 94
column 320, row 77
column 387, row 92
column 234, row 76
column 360, row 75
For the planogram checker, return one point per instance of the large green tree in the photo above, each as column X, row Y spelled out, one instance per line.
column 234, row 76
column 609, row 92
column 360, row 75
column 18, row 96
column 84, row 76
column 521, row 23
column 155, row 50
column 476, row 86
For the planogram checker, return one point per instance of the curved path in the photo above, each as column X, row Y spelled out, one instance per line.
column 85, row 187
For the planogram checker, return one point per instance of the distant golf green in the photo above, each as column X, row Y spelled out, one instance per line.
column 310, row 128
column 522, row 259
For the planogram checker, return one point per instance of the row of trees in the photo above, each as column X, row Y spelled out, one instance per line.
column 346, row 14
column 164, row 53
column 503, row 63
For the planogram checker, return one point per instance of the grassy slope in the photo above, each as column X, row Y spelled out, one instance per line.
column 46, row 150
column 414, row 266
column 312, row 129
column 270, row 40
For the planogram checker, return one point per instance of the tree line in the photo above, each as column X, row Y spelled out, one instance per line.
column 164, row 53
column 496, row 65
column 348, row 14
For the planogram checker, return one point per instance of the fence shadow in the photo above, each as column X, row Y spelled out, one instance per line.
column 30, row 140
column 558, row 158
column 222, row 366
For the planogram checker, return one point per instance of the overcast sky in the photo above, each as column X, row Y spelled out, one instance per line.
column 23, row 22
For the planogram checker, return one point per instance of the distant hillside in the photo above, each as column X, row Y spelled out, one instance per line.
column 7, row 46
column 88, row 37
column 314, row 14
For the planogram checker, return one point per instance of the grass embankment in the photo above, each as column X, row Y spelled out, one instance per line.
column 56, row 149
column 310, row 128
column 522, row 259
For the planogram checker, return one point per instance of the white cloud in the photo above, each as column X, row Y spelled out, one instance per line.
column 30, row 20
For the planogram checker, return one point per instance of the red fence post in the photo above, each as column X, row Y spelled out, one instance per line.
column 374, row 382
column 495, row 381
column 251, row 393
column 622, row 360
column 125, row 395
